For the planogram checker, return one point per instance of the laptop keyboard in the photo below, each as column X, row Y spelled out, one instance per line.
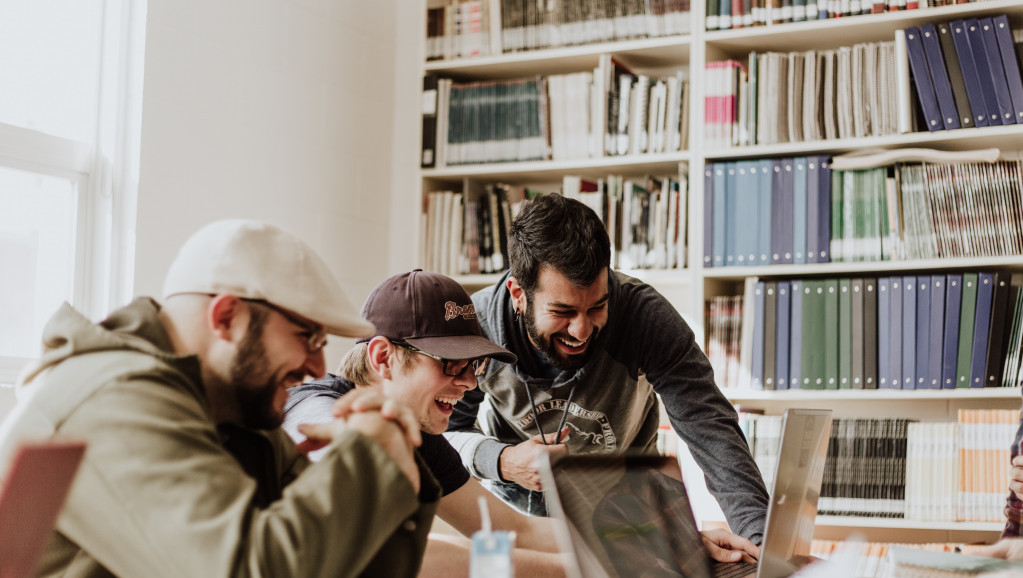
column 734, row 569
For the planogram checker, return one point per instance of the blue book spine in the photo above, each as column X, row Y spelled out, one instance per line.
column 937, row 331
column 812, row 211
column 758, row 336
column 708, row 215
column 824, row 211
column 987, row 83
column 720, row 214
column 796, row 333
column 781, row 380
column 908, row 332
column 799, row 210
column 895, row 334
column 971, row 77
column 1010, row 63
column 950, row 346
column 748, row 221
column 922, row 79
column 994, row 65
column 939, row 77
column 778, row 219
column 732, row 214
column 923, row 331
column 788, row 210
column 765, row 177
column 981, row 327
column 884, row 313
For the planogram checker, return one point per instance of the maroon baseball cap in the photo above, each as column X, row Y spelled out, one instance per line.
column 431, row 312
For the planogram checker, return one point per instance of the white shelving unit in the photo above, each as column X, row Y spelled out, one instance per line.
column 689, row 289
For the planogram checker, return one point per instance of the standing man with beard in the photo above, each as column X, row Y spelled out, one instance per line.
column 187, row 470
column 594, row 346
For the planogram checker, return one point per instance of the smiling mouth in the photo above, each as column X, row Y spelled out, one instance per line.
column 446, row 404
column 572, row 344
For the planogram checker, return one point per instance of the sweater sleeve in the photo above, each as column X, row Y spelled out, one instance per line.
column 155, row 485
column 682, row 376
column 1013, row 505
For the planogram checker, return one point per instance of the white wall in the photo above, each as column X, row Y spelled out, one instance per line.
column 276, row 110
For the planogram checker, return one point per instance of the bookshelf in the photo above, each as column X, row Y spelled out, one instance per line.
column 690, row 288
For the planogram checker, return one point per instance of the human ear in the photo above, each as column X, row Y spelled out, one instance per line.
column 381, row 355
column 518, row 295
column 223, row 316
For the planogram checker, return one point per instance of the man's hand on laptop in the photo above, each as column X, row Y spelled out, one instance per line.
column 519, row 462
column 725, row 546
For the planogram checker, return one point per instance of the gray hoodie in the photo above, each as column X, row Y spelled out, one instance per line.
column 158, row 494
column 645, row 348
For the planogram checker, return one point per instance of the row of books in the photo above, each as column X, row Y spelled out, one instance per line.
column 799, row 210
column 611, row 111
column 966, row 73
column 779, row 97
column 471, row 28
column 874, row 560
column 466, row 232
column 728, row 14
column 905, row 332
column 898, row 468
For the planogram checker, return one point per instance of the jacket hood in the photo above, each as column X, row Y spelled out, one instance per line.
column 509, row 331
column 68, row 333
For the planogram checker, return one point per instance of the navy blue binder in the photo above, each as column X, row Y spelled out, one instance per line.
column 720, row 213
column 870, row 333
column 937, row 330
column 758, row 337
column 950, row 346
column 781, row 369
column 765, row 210
column 1010, row 65
column 922, row 79
column 994, row 63
column 812, row 210
column 987, row 82
column 981, row 325
column 884, row 314
column 955, row 76
column 939, row 77
column 708, row 215
column 796, row 335
column 908, row 332
column 732, row 213
column 923, row 332
column 799, row 210
column 971, row 75
column 782, row 211
column 747, row 219
column 895, row 334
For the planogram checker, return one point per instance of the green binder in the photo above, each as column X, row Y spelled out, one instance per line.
column 968, row 312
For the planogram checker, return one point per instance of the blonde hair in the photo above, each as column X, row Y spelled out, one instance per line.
column 355, row 366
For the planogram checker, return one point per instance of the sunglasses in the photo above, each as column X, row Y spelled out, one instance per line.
column 452, row 367
column 315, row 335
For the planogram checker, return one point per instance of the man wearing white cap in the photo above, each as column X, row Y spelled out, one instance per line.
column 187, row 471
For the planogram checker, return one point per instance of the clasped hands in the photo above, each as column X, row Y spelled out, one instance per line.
column 383, row 419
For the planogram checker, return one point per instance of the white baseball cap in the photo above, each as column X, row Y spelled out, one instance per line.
column 256, row 260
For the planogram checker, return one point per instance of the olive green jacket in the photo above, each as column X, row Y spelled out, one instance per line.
column 158, row 495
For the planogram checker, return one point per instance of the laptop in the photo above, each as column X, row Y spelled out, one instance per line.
column 32, row 492
column 623, row 516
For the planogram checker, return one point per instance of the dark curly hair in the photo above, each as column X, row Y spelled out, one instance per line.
column 559, row 232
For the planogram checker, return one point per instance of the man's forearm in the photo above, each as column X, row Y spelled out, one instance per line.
column 480, row 454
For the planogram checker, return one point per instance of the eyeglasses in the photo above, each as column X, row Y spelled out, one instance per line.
column 316, row 336
column 452, row 367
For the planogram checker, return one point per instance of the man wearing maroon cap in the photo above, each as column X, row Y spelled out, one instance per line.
column 426, row 353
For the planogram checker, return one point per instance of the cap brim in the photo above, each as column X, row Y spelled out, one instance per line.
column 463, row 347
column 351, row 327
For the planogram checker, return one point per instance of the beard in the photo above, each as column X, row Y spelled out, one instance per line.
column 545, row 344
column 255, row 399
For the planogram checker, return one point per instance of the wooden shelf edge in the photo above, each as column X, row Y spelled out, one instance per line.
column 900, row 523
column 737, row 395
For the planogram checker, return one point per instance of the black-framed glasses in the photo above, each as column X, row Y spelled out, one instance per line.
column 452, row 367
column 316, row 336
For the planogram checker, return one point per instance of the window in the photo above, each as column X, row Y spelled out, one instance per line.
column 68, row 162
